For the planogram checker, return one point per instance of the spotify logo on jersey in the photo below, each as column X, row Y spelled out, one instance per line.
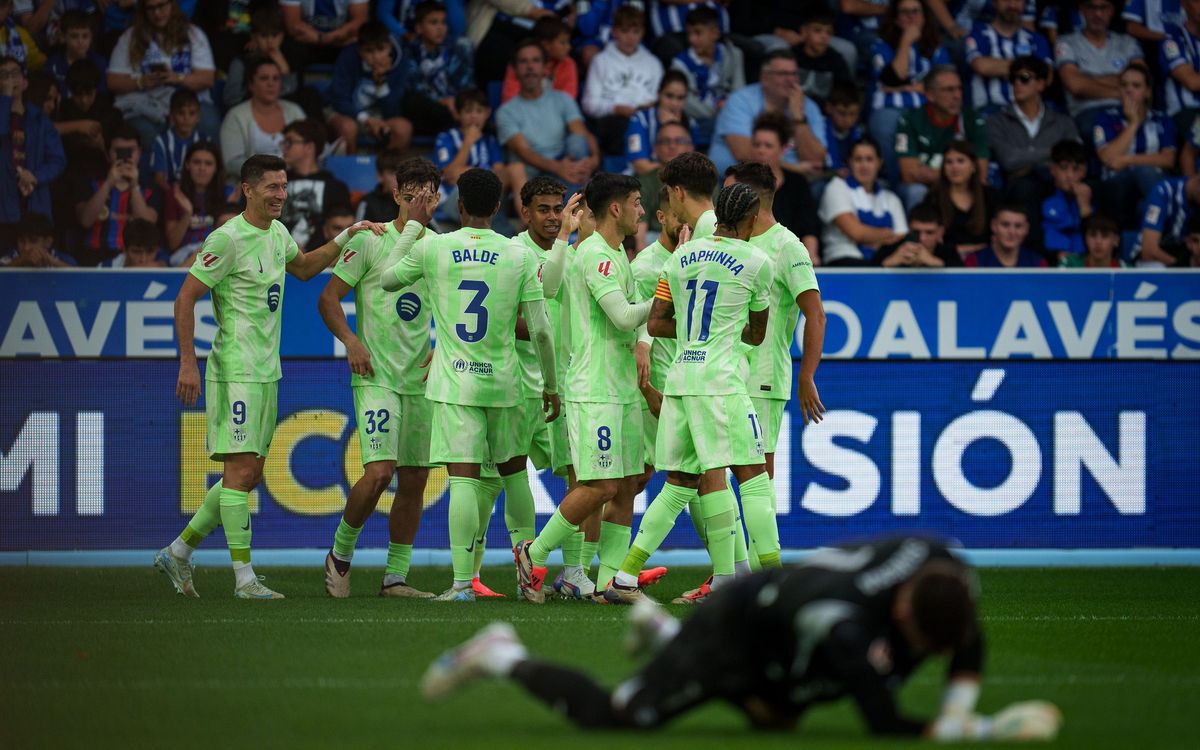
column 408, row 307
column 273, row 297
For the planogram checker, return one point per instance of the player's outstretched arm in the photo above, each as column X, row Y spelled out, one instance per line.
column 329, row 304
column 622, row 313
column 307, row 265
column 814, row 340
column 537, row 321
column 661, row 322
column 756, row 327
column 409, row 268
column 187, row 388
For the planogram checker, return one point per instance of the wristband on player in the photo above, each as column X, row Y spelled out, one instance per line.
column 343, row 237
column 960, row 697
column 362, row 118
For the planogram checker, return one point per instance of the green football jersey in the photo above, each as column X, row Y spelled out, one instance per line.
column 771, row 362
column 647, row 268
column 706, row 225
column 244, row 266
column 476, row 280
column 394, row 326
column 602, row 368
column 713, row 283
column 531, row 373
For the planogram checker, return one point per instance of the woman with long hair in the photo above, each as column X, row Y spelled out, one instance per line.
column 256, row 125
column 193, row 203
column 965, row 204
column 908, row 47
column 162, row 51
column 860, row 215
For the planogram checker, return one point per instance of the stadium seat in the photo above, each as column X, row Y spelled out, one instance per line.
column 358, row 172
column 495, row 89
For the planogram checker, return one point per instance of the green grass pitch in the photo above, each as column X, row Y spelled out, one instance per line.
column 112, row 658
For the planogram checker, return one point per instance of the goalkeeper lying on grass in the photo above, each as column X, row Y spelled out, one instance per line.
column 852, row 621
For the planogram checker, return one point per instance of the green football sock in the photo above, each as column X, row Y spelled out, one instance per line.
column 518, row 507
column 614, row 545
column 554, row 533
column 344, row 540
column 207, row 518
column 758, row 506
column 587, row 555
column 572, row 550
column 739, row 541
column 657, row 522
column 696, row 511
column 398, row 559
column 235, row 517
column 464, row 525
column 489, row 492
column 720, row 512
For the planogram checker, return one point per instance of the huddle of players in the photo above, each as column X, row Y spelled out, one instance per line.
column 627, row 364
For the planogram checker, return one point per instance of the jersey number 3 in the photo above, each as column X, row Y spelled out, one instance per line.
column 474, row 307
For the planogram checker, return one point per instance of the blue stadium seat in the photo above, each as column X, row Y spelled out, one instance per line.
column 495, row 89
column 358, row 172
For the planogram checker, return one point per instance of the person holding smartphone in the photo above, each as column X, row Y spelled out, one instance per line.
column 106, row 202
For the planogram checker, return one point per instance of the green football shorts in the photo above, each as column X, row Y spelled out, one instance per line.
column 606, row 440
column 240, row 417
column 392, row 426
column 698, row 433
column 476, row 434
column 770, row 419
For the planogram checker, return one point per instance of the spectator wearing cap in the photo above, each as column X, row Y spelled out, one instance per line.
column 31, row 152
column 1090, row 61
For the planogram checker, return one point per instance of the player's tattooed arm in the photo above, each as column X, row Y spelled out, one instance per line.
column 756, row 328
column 662, row 319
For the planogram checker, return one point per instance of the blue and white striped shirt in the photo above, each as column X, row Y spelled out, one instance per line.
column 918, row 67
column 1179, row 48
column 169, row 151
column 484, row 153
column 986, row 41
column 668, row 19
column 707, row 77
column 1155, row 134
column 1167, row 207
column 1155, row 15
column 642, row 133
column 967, row 12
column 561, row 7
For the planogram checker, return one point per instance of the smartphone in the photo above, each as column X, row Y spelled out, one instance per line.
column 158, row 67
column 912, row 237
column 125, row 154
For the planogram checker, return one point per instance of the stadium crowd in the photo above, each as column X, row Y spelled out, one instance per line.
column 901, row 133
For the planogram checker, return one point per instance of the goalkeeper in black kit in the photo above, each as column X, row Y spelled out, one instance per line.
column 850, row 621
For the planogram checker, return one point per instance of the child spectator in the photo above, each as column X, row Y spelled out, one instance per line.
column 78, row 35
column 622, row 79
column 1101, row 240
column 319, row 31
column 16, row 42
column 466, row 146
column 86, row 119
column 642, row 132
column 106, row 202
column 379, row 204
column 193, row 202
column 668, row 23
column 714, row 69
column 166, row 158
column 31, row 152
column 554, row 37
column 434, row 70
column 35, row 246
column 334, row 220
column 1010, row 229
column 143, row 247
column 1065, row 209
column 843, row 112
column 367, row 91
column 820, row 65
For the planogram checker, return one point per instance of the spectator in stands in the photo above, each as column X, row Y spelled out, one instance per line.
column 106, row 202
column 554, row 37
column 965, row 204
column 622, row 79
column 143, row 247
column 671, row 140
column 860, row 215
column 466, row 146
column 434, row 70
column 1102, row 240
column 1064, row 210
column 1180, row 59
column 991, row 49
column 334, row 220
column 821, row 66
column 162, row 52
column 319, row 31
column 1171, row 205
column 399, row 17
column 1147, row 20
column 794, row 206
column 908, row 48
column 1089, row 62
column 228, row 211
column 77, row 34
column 496, row 27
column 192, row 204
column 86, row 119
column 593, row 30
column 668, row 24
column 16, row 41
column 1010, row 229
column 34, row 236
column 1135, row 143
column 924, row 134
column 379, row 204
column 310, row 188
column 642, row 133
column 367, row 91
column 170, row 147
column 1021, row 135
column 31, row 153
column 861, row 17
column 256, row 125
column 42, row 93
column 923, row 246
column 544, row 130
column 778, row 90
column 843, row 126
column 266, row 41
column 1189, row 149
column 714, row 69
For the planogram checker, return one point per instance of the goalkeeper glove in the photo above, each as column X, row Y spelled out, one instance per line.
column 1028, row 720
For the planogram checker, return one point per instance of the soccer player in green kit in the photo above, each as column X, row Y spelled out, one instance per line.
column 712, row 297
column 242, row 264
column 477, row 281
column 769, row 383
column 387, row 359
column 603, row 414
column 691, row 179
